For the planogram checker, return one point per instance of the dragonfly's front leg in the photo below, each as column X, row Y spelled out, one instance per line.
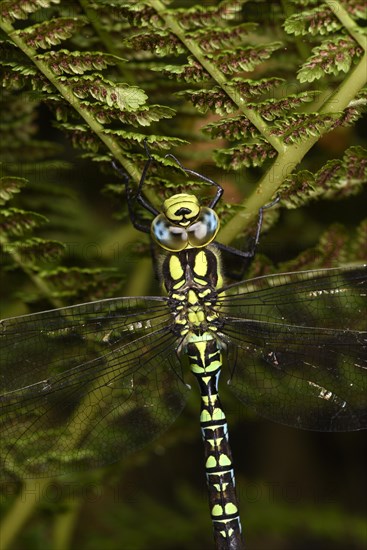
column 248, row 255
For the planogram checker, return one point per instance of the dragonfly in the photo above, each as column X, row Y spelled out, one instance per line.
column 84, row 385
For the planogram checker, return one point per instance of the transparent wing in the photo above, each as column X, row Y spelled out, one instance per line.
column 84, row 385
column 298, row 347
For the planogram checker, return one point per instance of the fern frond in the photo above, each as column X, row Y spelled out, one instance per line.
column 331, row 57
column 143, row 116
column 11, row 10
column 191, row 72
column 337, row 179
column 162, row 142
column 271, row 109
column 247, row 89
column 9, row 186
column 76, row 62
column 319, row 20
column 72, row 283
column 14, row 221
column 160, row 42
column 120, row 95
column 253, row 154
column 218, row 38
column 51, row 33
column 333, row 249
column 34, row 251
column 243, row 59
column 353, row 112
column 231, row 128
column 214, row 99
column 203, row 16
column 295, row 128
column 137, row 14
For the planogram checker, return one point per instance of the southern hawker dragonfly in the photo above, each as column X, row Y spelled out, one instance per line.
column 84, row 385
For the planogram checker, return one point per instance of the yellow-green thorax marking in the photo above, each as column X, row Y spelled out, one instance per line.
column 191, row 273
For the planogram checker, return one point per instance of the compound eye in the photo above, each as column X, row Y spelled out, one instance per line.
column 168, row 236
column 204, row 229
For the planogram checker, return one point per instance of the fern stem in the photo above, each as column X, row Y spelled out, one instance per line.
column 31, row 495
column 113, row 245
column 286, row 162
column 110, row 142
column 36, row 279
column 106, row 39
column 303, row 47
column 350, row 25
column 217, row 75
column 64, row 523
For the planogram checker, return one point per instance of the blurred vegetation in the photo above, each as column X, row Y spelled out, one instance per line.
column 264, row 97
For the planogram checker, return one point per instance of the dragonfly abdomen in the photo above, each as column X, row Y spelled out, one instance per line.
column 205, row 360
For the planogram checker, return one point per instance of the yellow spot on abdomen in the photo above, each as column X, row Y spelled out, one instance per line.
column 211, row 462
column 217, row 510
column 231, row 508
column 224, row 460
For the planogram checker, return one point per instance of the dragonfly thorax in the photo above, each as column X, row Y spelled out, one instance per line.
column 191, row 278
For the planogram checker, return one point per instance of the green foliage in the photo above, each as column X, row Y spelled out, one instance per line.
column 9, row 186
column 11, row 11
column 65, row 62
column 272, row 93
column 331, row 57
column 337, row 179
column 50, row 33
column 14, row 221
column 210, row 42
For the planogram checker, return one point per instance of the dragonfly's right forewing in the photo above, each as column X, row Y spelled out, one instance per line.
column 84, row 385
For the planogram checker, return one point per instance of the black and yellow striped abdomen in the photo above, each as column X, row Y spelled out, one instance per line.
column 191, row 278
column 205, row 361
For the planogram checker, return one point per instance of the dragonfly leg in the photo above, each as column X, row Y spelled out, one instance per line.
column 132, row 197
column 248, row 255
column 139, row 197
column 220, row 189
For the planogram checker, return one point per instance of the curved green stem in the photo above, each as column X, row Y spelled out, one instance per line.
column 34, row 277
column 303, row 47
column 288, row 160
column 106, row 39
column 348, row 23
column 64, row 523
column 30, row 496
column 110, row 142
column 217, row 75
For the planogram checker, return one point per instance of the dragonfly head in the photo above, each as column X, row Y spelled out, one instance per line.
column 183, row 223
column 181, row 209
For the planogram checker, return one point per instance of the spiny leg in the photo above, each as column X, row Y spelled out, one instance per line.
column 220, row 189
column 132, row 197
column 248, row 255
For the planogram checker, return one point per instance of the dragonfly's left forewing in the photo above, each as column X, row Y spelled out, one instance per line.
column 298, row 349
